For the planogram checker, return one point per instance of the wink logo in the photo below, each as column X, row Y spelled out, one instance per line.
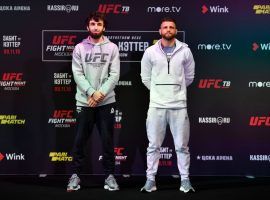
column 214, row 9
column 262, row 46
column 14, row 156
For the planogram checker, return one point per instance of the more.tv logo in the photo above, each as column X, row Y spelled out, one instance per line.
column 215, row 47
column 259, row 84
column 260, row 46
column 262, row 9
column 11, row 45
column 62, row 82
column 259, row 121
column 113, row 8
column 214, row 83
column 12, row 81
column 12, row 156
column 214, row 9
column 164, row 9
column 62, row 118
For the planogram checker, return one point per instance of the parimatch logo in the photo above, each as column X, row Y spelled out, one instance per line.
column 262, row 9
column 11, row 120
column 60, row 157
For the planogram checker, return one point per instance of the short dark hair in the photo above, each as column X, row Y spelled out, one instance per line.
column 168, row 19
column 96, row 16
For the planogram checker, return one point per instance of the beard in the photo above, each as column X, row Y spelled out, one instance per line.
column 168, row 37
column 96, row 35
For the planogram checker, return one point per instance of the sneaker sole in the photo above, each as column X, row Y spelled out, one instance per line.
column 186, row 191
column 153, row 189
column 73, row 189
column 106, row 187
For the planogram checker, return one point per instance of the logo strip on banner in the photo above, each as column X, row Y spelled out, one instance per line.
column 60, row 43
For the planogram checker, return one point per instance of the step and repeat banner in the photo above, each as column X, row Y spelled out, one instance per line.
column 228, row 102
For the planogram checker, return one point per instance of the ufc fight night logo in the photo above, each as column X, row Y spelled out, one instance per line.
column 62, row 118
column 12, row 81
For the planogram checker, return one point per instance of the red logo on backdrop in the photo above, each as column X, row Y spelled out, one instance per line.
column 1, row 156
column 255, row 46
column 214, row 83
column 113, row 8
column 64, row 39
column 119, row 151
column 204, row 9
column 63, row 114
column 12, row 76
column 259, row 121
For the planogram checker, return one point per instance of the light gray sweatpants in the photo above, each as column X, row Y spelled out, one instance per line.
column 157, row 120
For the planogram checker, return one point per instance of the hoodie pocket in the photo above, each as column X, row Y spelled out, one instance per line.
column 168, row 91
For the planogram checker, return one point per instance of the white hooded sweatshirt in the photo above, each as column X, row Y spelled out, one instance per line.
column 167, row 79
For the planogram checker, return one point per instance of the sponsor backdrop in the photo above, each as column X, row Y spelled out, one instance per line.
column 228, row 103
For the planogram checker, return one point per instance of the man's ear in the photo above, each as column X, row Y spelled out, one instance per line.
column 87, row 28
column 159, row 31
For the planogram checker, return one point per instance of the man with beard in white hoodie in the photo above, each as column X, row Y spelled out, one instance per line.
column 167, row 68
column 96, row 69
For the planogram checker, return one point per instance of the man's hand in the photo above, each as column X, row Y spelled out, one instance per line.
column 98, row 96
column 91, row 102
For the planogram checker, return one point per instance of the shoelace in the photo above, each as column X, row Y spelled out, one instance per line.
column 71, row 179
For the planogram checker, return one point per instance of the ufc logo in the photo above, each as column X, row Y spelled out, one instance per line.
column 62, row 114
column 259, row 121
column 12, row 76
column 96, row 58
column 214, row 83
column 64, row 39
column 118, row 151
column 113, row 8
